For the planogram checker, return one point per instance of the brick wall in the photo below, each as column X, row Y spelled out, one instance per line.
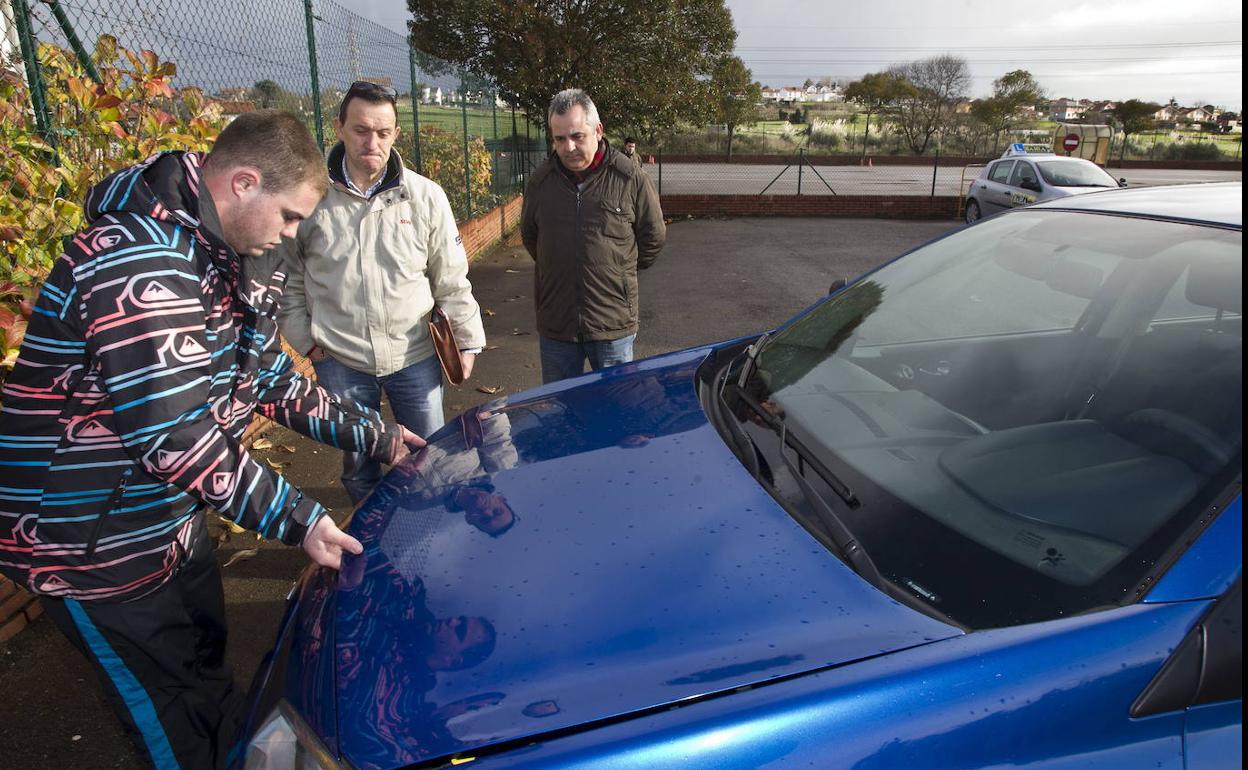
column 17, row 607
column 877, row 206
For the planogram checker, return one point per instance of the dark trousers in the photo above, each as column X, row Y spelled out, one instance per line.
column 161, row 661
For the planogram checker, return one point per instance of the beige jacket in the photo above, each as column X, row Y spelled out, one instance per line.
column 365, row 273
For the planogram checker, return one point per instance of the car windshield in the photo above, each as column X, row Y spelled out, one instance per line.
column 1068, row 173
column 1028, row 413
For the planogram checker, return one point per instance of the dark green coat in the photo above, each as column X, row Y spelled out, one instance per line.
column 588, row 245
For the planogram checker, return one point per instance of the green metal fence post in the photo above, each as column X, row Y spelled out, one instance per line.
column 72, row 38
column 515, row 148
column 496, row 166
column 411, row 60
column 463, row 110
column 34, row 74
column 316, row 78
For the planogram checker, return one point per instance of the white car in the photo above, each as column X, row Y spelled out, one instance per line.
column 1019, row 178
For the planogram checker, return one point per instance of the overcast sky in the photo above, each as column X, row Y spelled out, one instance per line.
column 1191, row 50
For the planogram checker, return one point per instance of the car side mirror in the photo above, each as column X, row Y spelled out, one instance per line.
column 837, row 285
column 1030, row 184
column 1122, row 181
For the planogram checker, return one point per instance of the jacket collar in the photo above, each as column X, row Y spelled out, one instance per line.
column 392, row 178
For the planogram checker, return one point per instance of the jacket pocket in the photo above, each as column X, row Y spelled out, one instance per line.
column 113, row 502
column 617, row 220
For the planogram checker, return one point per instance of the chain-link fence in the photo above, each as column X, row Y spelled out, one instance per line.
column 299, row 55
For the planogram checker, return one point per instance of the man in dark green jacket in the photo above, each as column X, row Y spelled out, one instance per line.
column 591, row 219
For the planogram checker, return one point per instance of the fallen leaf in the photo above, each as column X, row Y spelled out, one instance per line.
column 518, row 333
column 489, row 389
column 261, row 444
column 276, row 465
column 511, row 270
column 246, row 553
column 287, row 448
column 223, row 538
column 488, row 312
column 231, row 526
column 491, row 347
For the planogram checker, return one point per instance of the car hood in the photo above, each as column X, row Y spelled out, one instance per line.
column 1067, row 191
column 583, row 551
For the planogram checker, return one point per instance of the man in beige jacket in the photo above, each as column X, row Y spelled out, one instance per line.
column 367, row 268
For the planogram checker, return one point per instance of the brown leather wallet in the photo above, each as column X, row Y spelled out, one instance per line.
column 445, row 346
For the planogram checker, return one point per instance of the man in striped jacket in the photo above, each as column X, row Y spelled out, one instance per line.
column 152, row 344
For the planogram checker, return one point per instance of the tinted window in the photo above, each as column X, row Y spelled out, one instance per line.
column 1000, row 172
column 1023, row 172
column 1067, row 173
column 1022, row 444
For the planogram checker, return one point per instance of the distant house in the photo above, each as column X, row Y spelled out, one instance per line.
column 1166, row 114
column 234, row 94
column 1229, row 123
column 1102, row 110
column 1195, row 117
column 232, row 108
column 1062, row 110
column 822, row 93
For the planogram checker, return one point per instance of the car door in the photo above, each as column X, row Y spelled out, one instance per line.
column 993, row 190
column 1202, row 678
column 1024, row 184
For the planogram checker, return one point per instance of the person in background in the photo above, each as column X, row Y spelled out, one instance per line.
column 366, row 270
column 591, row 219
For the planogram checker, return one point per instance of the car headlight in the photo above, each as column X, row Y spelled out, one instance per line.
column 284, row 742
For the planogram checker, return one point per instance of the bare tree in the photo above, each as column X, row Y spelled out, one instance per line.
column 939, row 82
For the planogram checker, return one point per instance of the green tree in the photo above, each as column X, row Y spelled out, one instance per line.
column 1010, row 94
column 646, row 63
column 735, row 96
column 1134, row 116
column 939, row 83
column 874, row 93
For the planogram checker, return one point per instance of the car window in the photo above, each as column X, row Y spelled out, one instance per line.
column 1179, row 305
column 1023, row 171
column 1000, row 172
column 1023, row 441
column 1075, row 173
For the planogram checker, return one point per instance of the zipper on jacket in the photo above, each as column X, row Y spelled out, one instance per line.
column 112, row 503
column 580, row 268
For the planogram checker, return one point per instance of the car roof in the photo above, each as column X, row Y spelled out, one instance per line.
column 1219, row 203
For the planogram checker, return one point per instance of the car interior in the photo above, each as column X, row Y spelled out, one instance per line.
column 1062, row 449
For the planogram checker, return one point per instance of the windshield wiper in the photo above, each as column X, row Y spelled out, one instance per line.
column 746, row 448
column 842, row 539
column 851, row 550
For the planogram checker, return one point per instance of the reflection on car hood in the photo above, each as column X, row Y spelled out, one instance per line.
column 1082, row 190
column 583, row 551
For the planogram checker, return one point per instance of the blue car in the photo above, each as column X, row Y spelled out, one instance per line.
column 980, row 508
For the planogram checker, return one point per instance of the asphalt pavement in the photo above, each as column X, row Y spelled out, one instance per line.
column 716, row 279
column 747, row 179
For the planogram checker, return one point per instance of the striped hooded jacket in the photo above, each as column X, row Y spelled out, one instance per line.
column 151, row 346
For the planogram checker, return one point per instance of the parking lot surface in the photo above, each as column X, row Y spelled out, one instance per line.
column 716, row 279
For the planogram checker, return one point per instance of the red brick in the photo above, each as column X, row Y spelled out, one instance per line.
column 33, row 610
column 13, row 605
column 12, row 628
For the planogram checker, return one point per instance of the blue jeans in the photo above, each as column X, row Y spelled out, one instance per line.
column 561, row 360
column 415, row 396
